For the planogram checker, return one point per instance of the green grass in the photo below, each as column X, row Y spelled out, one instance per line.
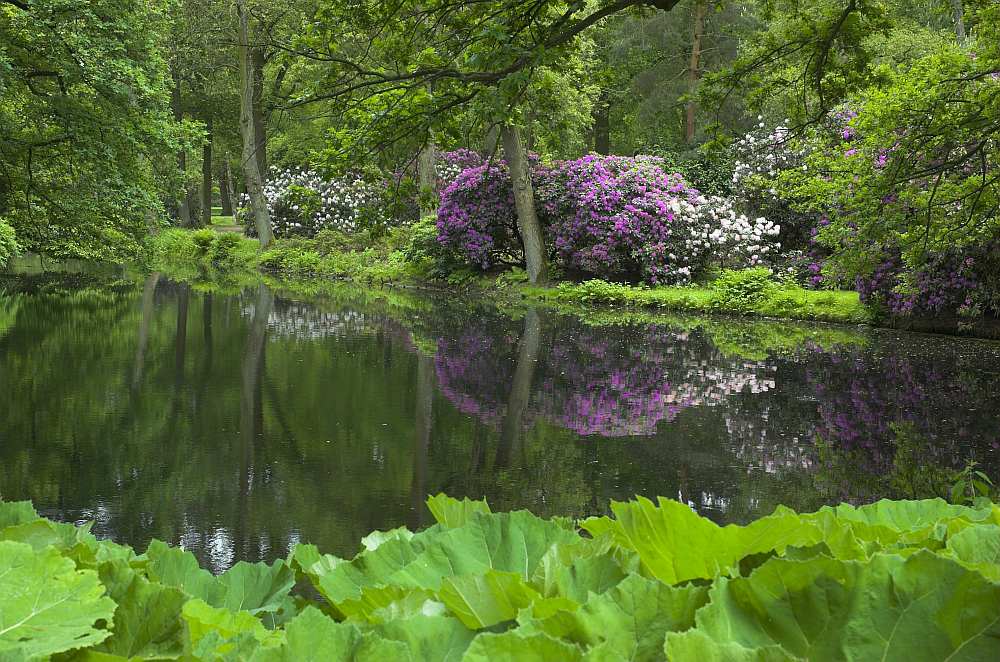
column 780, row 301
column 383, row 261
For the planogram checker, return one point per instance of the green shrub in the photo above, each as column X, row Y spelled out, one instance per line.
column 203, row 240
column 741, row 290
column 653, row 581
column 8, row 242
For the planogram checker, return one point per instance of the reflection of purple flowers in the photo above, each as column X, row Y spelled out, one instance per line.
column 593, row 385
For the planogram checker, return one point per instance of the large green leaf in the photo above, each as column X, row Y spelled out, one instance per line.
column 577, row 569
column 147, row 622
column 172, row 566
column 631, row 619
column 515, row 646
column 451, row 513
column 508, row 542
column 922, row 607
column 214, row 632
column 16, row 512
column 978, row 547
column 480, row 601
column 675, row 544
column 46, row 604
column 256, row 587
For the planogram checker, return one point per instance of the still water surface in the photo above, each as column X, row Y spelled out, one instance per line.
column 239, row 424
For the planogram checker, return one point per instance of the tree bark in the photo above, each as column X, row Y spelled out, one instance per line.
column 958, row 12
column 224, row 189
column 206, row 176
column 492, row 138
column 251, row 166
column 259, row 121
column 183, row 204
column 427, row 173
column 512, row 428
column 602, row 124
column 694, row 67
column 524, row 201
column 231, row 190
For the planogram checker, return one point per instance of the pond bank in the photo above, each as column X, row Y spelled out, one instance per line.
column 207, row 255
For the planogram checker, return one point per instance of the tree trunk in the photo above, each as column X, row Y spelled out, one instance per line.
column 492, row 137
column 183, row 205
column 259, row 123
column 694, row 68
column 512, row 428
column 958, row 12
column 224, row 189
column 206, row 176
column 251, row 167
column 602, row 124
column 231, row 190
column 524, row 201
column 427, row 173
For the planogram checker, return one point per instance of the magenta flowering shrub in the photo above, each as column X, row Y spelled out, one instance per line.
column 615, row 217
column 623, row 217
column 964, row 282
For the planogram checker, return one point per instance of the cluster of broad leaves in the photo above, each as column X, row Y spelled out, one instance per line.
column 909, row 580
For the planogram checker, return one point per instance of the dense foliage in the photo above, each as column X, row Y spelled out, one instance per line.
column 918, row 579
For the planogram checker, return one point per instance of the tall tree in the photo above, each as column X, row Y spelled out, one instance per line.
column 251, row 166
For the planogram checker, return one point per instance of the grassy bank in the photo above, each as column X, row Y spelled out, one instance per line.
column 393, row 261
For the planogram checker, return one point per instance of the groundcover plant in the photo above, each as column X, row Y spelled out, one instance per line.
column 895, row 580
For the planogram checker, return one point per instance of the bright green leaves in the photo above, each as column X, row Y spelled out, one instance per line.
column 451, row 512
column 919, row 608
column 893, row 581
column 46, row 605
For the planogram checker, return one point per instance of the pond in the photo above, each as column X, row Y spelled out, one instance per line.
column 239, row 423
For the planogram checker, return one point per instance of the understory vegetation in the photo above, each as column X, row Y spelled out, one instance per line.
column 651, row 581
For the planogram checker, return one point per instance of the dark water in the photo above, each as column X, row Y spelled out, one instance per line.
column 238, row 424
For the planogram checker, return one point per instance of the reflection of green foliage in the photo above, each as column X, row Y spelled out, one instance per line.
column 652, row 579
column 8, row 312
column 911, row 475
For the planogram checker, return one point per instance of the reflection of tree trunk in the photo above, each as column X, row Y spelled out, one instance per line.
column 148, row 291
column 251, row 412
column 694, row 68
column 524, row 200
column 206, row 176
column 424, row 425
column 180, row 337
column 207, row 331
column 520, row 389
column 602, row 124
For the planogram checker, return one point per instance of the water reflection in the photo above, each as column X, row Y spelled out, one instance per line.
column 239, row 425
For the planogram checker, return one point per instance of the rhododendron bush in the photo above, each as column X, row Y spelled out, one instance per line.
column 302, row 202
column 612, row 216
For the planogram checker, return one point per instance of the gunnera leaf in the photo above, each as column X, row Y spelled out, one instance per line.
column 46, row 605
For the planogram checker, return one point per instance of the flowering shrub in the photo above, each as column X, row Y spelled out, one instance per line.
column 450, row 165
column 964, row 282
column 476, row 218
column 302, row 203
column 613, row 216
